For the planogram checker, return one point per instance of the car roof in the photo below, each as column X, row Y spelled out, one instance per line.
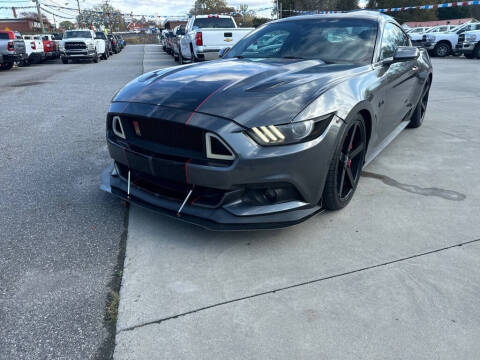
column 356, row 14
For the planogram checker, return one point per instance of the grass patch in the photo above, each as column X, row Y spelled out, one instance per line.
column 112, row 306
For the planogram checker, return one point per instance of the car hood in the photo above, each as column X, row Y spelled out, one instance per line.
column 245, row 91
column 76, row 39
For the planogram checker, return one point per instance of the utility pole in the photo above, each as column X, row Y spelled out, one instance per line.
column 79, row 13
column 40, row 18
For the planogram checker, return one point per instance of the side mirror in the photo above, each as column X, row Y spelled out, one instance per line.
column 223, row 52
column 405, row 53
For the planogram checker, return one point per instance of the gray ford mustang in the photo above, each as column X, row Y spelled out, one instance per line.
column 276, row 130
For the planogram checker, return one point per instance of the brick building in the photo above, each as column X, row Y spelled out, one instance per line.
column 25, row 25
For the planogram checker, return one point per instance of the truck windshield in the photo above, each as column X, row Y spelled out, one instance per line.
column 213, row 22
column 77, row 34
column 333, row 40
column 4, row 36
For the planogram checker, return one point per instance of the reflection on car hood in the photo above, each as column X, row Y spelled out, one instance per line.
column 239, row 89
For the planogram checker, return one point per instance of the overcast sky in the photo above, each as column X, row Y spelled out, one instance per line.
column 148, row 7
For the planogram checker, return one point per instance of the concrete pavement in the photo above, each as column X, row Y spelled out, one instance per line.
column 392, row 276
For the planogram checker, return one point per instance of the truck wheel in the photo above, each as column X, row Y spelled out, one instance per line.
column 7, row 66
column 443, row 49
column 469, row 56
column 104, row 56
column 95, row 58
column 64, row 60
column 476, row 51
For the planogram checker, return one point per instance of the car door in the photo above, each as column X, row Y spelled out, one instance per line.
column 399, row 80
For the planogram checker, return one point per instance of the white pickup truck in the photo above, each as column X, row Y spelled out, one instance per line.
column 469, row 44
column 445, row 43
column 81, row 44
column 34, row 48
column 206, row 35
column 416, row 36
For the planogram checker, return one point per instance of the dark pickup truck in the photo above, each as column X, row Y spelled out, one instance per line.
column 12, row 49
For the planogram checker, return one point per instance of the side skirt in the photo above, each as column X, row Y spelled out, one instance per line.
column 385, row 142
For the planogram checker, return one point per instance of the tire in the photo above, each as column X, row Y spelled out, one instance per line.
column 346, row 166
column 6, row 66
column 104, row 56
column 442, row 49
column 95, row 58
column 64, row 60
column 476, row 51
column 469, row 56
column 418, row 115
column 180, row 57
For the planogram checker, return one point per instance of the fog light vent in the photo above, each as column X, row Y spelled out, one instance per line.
column 117, row 127
column 217, row 149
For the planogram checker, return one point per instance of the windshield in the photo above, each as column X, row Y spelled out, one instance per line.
column 77, row 34
column 332, row 40
column 213, row 22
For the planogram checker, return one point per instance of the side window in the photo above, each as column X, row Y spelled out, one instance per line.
column 392, row 38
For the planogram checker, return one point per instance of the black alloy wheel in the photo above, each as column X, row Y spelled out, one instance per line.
column 419, row 113
column 346, row 166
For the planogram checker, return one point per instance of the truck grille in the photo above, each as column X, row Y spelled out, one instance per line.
column 75, row 45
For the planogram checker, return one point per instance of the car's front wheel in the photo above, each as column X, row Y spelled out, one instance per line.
column 346, row 165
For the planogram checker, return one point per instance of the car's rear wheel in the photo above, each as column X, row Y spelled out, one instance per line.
column 441, row 50
column 419, row 113
column 346, row 165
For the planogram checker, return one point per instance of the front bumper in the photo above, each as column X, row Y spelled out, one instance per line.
column 429, row 45
column 78, row 54
column 465, row 47
column 162, row 181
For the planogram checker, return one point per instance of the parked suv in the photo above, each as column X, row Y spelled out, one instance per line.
column 12, row 49
column 115, row 44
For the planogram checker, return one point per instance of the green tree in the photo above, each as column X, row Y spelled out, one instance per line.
column 67, row 25
column 291, row 7
column 409, row 15
column 103, row 15
column 205, row 7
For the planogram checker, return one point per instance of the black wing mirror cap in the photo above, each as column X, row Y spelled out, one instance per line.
column 405, row 53
column 223, row 52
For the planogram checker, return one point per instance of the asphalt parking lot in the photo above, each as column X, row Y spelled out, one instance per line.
column 393, row 276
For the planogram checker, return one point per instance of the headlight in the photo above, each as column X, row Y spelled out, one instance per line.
column 431, row 38
column 291, row 133
column 471, row 37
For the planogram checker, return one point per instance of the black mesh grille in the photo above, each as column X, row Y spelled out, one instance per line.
column 75, row 45
column 171, row 134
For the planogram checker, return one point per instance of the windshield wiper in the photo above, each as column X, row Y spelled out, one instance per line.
column 293, row 57
column 238, row 56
